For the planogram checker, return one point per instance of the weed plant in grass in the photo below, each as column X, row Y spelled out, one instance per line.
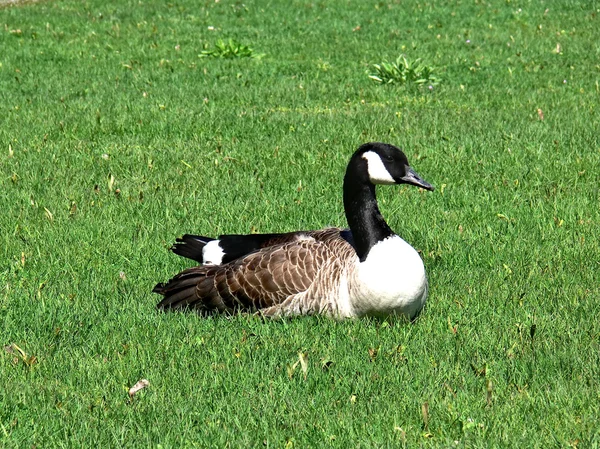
column 116, row 137
column 229, row 50
column 404, row 72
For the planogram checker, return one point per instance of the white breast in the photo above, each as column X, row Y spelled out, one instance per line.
column 391, row 280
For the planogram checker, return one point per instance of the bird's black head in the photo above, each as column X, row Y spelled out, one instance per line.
column 386, row 164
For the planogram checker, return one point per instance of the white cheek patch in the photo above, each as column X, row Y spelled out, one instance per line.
column 212, row 253
column 378, row 174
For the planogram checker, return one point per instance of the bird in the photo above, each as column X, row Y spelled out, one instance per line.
column 363, row 270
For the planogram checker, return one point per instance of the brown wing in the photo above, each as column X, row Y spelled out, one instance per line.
column 260, row 280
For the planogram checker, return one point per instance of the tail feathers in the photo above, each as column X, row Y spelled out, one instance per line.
column 191, row 246
column 191, row 289
column 226, row 248
column 179, row 292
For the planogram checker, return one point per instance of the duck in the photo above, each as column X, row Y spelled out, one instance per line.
column 363, row 270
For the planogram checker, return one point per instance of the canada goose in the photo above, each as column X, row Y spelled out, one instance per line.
column 364, row 270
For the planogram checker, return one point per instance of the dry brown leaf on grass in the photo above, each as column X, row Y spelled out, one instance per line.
column 20, row 354
column 303, row 362
column 111, row 183
column 540, row 114
column 373, row 353
column 140, row 385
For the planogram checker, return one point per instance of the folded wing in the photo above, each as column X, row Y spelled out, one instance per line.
column 262, row 279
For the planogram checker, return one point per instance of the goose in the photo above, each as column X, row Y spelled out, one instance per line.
column 342, row 273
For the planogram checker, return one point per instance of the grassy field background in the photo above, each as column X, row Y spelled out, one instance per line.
column 116, row 137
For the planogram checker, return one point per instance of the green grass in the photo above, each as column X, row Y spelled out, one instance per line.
column 101, row 96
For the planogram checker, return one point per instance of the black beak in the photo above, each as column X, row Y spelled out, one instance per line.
column 411, row 177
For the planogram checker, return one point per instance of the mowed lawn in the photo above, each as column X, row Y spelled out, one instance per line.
column 116, row 137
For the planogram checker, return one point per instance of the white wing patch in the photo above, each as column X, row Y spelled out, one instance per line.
column 378, row 174
column 212, row 253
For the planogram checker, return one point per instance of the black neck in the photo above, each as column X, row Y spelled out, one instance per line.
column 366, row 222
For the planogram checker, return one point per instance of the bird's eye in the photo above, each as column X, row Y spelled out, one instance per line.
column 388, row 158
